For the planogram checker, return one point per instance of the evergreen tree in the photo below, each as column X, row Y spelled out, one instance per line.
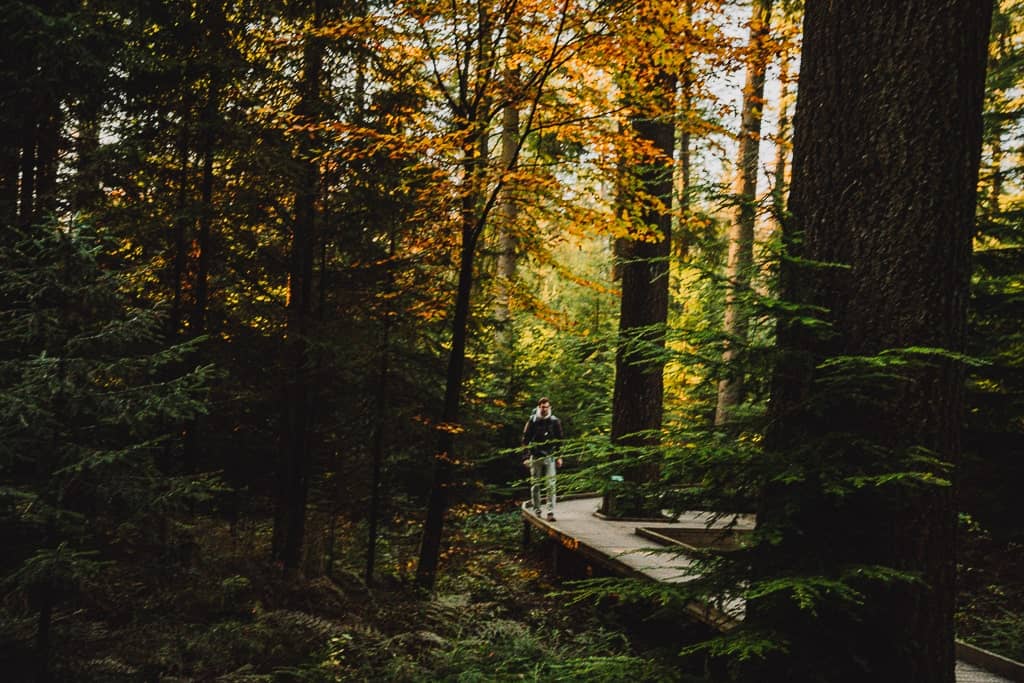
column 89, row 399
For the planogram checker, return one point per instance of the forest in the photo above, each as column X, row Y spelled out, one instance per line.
column 281, row 281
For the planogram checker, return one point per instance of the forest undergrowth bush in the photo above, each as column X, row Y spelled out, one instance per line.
column 226, row 614
column 990, row 597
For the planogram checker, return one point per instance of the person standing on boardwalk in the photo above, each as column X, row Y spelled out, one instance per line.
column 541, row 434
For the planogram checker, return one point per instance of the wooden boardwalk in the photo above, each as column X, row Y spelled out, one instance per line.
column 615, row 546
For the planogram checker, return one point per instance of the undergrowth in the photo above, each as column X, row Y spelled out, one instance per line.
column 221, row 612
column 990, row 596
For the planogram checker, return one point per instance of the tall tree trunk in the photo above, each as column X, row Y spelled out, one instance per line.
column 782, row 142
column 11, row 121
column 209, row 126
column 474, row 166
column 884, row 182
column 197, row 323
column 996, row 103
column 509, row 209
column 377, row 450
column 43, row 636
column 9, row 167
column 290, row 522
column 637, row 401
column 474, row 212
column 181, row 222
column 380, row 409
column 48, row 145
column 437, row 505
column 996, row 188
column 506, row 269
column 86, row 193
column 27, row 196
column 681, row 196
column 741, row 231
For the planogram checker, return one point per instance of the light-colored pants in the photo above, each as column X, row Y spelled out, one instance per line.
column 542, row 478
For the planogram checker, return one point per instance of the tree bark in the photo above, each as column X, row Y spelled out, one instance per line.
column 741, row 231
column 886, row 155
column 181, row 222
column 782, row 142
column 509, row 208
column 637, row 401
column 27, row 194
column 10, row 150
column 681, row 199
column 197, row 323
column 9, row 166
column 380, row 408
column 87, row 193
column 209, row 126
column 506, row 267
column 48, row 145
column 437, row 504
column 290, row 518
column 474, row 165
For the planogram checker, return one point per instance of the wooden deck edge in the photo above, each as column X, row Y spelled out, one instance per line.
column 701, row 612
column 577, row 496
column 990, row 661
column 664, row 519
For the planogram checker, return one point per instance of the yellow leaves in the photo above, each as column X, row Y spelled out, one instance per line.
column 585, row 283
column 359, row 28
column 450, row 428
column 428, row 313
column 116, row 196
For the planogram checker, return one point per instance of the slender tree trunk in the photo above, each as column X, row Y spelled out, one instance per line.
column 741, row 231
column 9, row 166
column 681, row 197
column 87, row 194
column 209, row 125
column 506, row 235
column 11, row 121
column 290, row 523
column 197, row 325
column 377, row 450
column 181, row 222
column 996, row 188
column 474, row 166
column 509, row 209
column 202, row 246
column 997, row 103
column 43, row 638
column 873, row 190
column 437, row 505
column 380, row 409
column 48, row 147
column 26, row 199
column 470, row 104
column 782, row 143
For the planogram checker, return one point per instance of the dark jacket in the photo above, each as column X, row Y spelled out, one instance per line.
column 542, row 434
